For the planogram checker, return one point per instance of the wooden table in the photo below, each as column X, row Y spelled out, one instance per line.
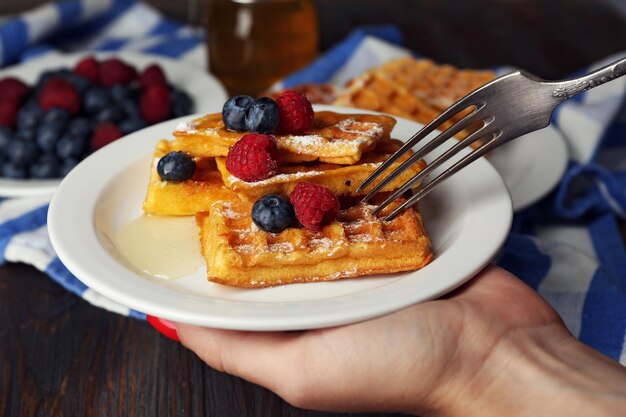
column 59, row 356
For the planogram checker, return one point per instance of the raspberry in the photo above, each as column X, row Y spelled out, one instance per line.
column 296, row 113
column 315, row 205
column 58, row 92
column 88, row 68
column 253, row 158
column 8, row 113
column 114, row 71
column 152, row 75
column 155, row 103
column 104, row 134
column 12, row 89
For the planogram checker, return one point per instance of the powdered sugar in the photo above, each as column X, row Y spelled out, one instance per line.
column 281, row 247
column 277, row 178
column 364, row 132
column 367, row 129
column 228, row 212
column 187, row 127
column 245, row 249
column 324, row 243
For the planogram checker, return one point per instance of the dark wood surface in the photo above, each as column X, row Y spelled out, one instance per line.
column 59, row 356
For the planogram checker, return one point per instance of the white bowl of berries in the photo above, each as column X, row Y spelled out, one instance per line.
column 56, row 110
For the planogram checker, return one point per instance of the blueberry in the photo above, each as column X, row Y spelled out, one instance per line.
column 95, row 100
column 13, row 170
column 234, row 112
column 67, row 165
column 6, row 137
column 112, row 114
column 26, row 135
column 176, row 167
column 262, row 116
column 29, row 116
column 121, row 92
column 130, row 107
column 62, row 73
column 132, row 124
column 70, row 146
column 182, row 104
column 273, row 213
column 48, row 135
column 80, row 127
column 22, row 152
column 56, row 115
column 47, row 166
column 81, row 84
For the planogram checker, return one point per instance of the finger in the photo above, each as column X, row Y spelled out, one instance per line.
column 264, row 358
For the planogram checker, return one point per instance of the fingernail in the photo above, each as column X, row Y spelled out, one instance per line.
column 165, row 327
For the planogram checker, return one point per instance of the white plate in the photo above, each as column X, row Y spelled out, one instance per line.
column 532, row 165
column 468, row 218
column 206, row 91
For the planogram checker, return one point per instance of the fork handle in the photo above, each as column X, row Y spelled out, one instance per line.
column 570, row 88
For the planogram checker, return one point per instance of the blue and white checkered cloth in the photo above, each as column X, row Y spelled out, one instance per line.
column 567, row 246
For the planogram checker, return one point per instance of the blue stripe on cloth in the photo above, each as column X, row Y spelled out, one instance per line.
column 578, row 193
column 31, row 220
column 112, row 45
column 604, row 313
column 322, row 69
column 165, row 27
column 36, row 51
column 69, row 12
column 60, row 274
column 521, row 257
column 615, row 136
column 174, row 47
column 84, row 29
column 14, row 38
column 136, row 315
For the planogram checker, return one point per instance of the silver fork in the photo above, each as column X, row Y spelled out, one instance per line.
column 505, row 108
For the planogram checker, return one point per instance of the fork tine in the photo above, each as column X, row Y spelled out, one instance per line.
column 480, row 133
column 465, row 161
column 460, row 105
column 466, row 121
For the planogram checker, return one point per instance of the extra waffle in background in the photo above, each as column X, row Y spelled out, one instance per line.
column 416, row 89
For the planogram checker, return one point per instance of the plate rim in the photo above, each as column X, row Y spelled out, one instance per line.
column 35, row 187
column 237, row 320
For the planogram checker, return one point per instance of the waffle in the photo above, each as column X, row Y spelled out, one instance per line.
column 188, row 197
column 341, row 180
column 316, row 93
column 334, row 138
column 416, row 89
column 356, row 243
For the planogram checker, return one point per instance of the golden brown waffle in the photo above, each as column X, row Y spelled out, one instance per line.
column 416, row 89
column 316, row 93
column 341, row 180
column 188, row 197
column 334, row 138
column 356, row 243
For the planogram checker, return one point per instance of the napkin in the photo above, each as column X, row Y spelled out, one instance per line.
column 567, row 246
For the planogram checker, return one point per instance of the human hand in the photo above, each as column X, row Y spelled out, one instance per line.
column 444, row 357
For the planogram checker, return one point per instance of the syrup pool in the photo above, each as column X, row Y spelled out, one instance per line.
column 164, row 247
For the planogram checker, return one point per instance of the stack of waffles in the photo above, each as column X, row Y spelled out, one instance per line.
column 338, row 152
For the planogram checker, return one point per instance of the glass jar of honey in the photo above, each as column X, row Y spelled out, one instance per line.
column 254, row 43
